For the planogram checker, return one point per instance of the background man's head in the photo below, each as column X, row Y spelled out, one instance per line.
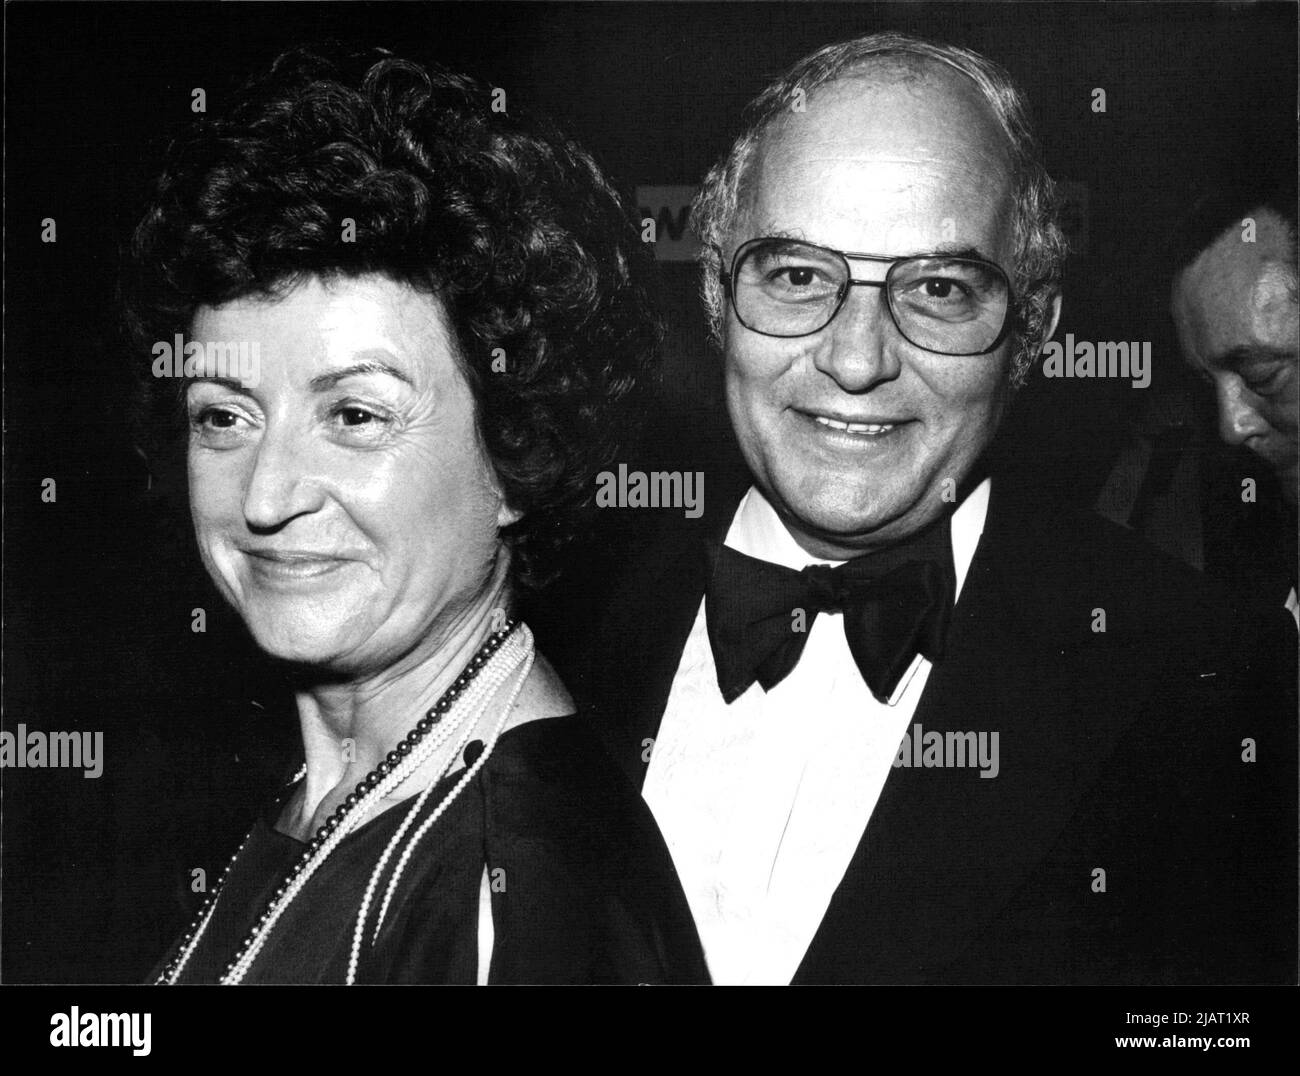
column 885, row 145
column 1234, row 305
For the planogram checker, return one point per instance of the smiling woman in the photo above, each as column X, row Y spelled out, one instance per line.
column 447, row 310
column 312, row 493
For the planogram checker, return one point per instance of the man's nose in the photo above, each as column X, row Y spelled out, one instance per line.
column 282, row 484
column 859, row 350
column 1239, row 420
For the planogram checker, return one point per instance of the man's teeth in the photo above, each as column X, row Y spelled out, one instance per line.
column 854, row 427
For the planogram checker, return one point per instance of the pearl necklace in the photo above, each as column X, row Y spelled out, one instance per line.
column 359, row 934
column 394, row 770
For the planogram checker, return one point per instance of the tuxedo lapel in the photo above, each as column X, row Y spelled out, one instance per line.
column 945, row 847
column 632, row 665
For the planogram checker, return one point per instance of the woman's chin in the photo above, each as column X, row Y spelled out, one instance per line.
column 297, row 646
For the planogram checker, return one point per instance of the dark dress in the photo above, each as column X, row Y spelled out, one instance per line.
column 583, row 889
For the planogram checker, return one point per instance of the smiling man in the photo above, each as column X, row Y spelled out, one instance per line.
column 798, row 686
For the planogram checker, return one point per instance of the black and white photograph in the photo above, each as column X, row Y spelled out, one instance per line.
column 700, row 494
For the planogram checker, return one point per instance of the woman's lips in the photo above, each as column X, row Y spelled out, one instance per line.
column 290, row 566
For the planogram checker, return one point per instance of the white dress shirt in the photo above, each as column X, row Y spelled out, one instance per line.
column 763, row 802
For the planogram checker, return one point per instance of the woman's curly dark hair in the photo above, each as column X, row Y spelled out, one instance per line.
column 512, row 226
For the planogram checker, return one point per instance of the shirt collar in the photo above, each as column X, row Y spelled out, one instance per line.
column 757, row 531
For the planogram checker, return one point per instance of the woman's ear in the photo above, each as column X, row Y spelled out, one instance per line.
column 507, row 515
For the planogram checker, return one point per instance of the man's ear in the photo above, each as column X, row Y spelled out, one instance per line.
column 1049, row 325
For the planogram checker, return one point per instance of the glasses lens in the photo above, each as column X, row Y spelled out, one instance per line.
column 949, row 305
column 786, row 288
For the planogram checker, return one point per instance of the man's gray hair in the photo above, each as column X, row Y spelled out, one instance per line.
column 1040, row 246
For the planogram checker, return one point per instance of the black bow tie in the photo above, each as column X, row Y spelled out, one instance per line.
column 896, row 602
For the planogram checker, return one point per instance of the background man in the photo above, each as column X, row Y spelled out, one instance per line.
column 1234, row 303
column 794, row 686
column 1229, row 276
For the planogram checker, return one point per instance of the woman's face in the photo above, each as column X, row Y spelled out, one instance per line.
column 341, row 497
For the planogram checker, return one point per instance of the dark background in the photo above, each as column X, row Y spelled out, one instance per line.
column 99, row 588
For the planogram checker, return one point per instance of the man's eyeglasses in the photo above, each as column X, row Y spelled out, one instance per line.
column 948, row 305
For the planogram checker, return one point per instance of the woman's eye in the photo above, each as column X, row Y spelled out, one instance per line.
column 219, row 427
column 363, row 419
column 216, row 418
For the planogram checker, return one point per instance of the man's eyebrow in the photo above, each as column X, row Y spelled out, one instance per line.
column 950, row 250
column 330, row 378
column 773, row 232
column 943, row 250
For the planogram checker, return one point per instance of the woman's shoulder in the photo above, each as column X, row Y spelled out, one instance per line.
column 554, row 776
column 562, row 817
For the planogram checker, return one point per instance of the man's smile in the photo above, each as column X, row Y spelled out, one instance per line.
column 854, row 430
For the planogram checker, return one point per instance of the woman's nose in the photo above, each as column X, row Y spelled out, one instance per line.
column 281, row 484
column 858, row 351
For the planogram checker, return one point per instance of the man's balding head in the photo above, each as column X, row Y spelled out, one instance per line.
column 1040, row 246
column 857, row 434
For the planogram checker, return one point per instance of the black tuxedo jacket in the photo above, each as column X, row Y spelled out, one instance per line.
column 1142, row 827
